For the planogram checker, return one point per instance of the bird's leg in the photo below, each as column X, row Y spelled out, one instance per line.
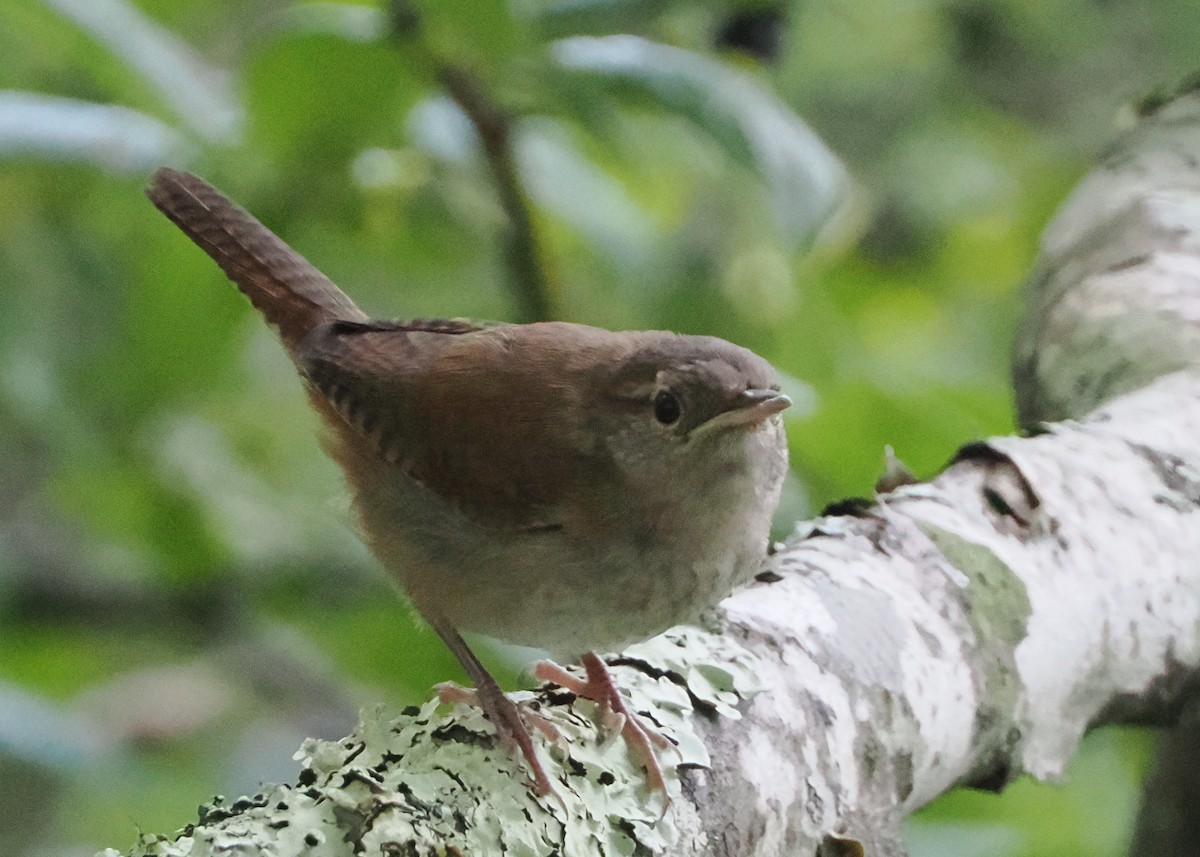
column 504, row 714
column 452, row 693
column 614, row 713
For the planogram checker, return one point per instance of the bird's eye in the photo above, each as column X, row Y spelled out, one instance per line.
column 666, row 407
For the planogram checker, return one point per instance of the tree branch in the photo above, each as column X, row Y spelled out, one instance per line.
column 527, row 269
column 526, row 262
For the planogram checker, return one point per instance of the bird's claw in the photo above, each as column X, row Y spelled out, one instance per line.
column 615, row 715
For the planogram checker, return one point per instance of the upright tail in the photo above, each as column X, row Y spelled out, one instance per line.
column 292, row 295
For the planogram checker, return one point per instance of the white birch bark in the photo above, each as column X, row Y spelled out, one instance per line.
column 960, row 631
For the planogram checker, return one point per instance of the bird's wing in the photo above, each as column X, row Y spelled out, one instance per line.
column 459, row 406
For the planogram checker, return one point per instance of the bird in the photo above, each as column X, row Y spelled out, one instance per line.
column 549, row 484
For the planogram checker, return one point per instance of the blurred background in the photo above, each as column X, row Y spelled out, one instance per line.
column 853, row 189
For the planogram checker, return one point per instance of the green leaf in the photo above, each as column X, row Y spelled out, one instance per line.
column 65, row 129
column 317, row 99
column 350, row 21
column 198, row 93
column 806, row 180
column 572, row 17
column 563, row 180
column 481, row 35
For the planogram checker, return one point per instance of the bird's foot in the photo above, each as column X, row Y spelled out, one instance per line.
column 511, row 721
column 614, row 714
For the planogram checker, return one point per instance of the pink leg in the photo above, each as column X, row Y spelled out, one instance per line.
column 499, row 709
column 614, row 713
column 455, row 694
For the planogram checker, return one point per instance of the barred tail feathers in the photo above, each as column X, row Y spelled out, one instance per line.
column 286, row 288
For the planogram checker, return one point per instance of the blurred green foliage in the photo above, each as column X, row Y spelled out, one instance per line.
column 853, row 189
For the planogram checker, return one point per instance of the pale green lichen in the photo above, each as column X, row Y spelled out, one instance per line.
column 999, row 614
column 435, row 780
column 1001, row 607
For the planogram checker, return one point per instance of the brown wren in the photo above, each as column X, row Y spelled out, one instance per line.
column 550, row 484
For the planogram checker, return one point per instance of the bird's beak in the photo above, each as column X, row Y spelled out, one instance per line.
column 751, row 408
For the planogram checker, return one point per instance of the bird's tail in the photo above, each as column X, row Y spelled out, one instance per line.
column 292, row 295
